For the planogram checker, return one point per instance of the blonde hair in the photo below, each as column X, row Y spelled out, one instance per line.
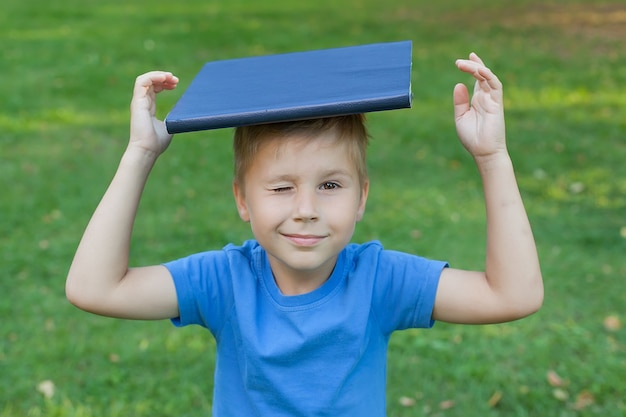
column 351, row 129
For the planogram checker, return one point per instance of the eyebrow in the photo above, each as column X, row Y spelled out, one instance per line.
column 332, row 173
column 336, row 172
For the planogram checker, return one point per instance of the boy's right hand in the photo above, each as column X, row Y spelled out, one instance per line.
column 146, row 131
column 100, row 280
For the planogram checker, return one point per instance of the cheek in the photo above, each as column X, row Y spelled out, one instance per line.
column 345, row 213
column 266, row 213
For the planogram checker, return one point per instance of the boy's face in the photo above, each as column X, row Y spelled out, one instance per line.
column 302, row 197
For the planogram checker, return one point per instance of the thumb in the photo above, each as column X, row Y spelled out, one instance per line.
column 461, row 100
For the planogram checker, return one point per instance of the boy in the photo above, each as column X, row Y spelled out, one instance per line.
column 301, row 316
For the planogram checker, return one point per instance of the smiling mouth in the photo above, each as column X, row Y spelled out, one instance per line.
column 304, row 240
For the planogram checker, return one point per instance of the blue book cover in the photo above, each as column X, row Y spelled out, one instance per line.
column 294, row 86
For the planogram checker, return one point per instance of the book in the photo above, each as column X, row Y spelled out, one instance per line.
column 295, row 86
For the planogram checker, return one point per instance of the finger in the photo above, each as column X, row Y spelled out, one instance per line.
column 144, row 82
column 158, row 80
column 461, row 100
column 479, row 73
column 170, row 82
column 485, row 77
column 489, row 78
column 470, row 67
column 474, row 57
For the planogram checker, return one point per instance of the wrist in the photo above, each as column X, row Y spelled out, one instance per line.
column 495, row 161
column 139, row 157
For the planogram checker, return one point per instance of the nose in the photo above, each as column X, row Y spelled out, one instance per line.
column 305, row 206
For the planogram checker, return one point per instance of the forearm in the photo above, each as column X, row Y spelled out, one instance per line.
column 101, row 260
column 512, row 265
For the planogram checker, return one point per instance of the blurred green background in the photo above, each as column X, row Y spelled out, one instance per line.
column 68, row 70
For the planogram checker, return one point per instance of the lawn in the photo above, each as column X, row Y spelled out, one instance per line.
column 69, row 69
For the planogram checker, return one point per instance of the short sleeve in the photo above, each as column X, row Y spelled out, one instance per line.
column 203, row 287
column 405, row 288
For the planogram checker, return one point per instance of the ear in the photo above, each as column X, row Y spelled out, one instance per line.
column 364, row 192
column 240, row 201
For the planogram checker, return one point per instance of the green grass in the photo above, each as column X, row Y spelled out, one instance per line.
column 68, row 70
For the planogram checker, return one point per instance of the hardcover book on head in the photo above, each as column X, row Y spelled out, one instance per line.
column 294, row 86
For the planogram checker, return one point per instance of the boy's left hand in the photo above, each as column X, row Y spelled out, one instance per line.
column 480, row 126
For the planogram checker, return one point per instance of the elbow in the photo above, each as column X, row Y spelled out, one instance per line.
column 536, row 295
column 73, row 294
column 522, row 302
column 531, row 306
column 537, row 301
column 78, row 295
column 531, row 302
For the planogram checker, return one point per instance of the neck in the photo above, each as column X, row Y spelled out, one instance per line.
column 298, row 282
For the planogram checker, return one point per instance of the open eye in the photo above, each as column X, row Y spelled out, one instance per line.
column 329, row 185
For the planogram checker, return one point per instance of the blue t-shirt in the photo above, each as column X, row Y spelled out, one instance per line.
column 322, row 353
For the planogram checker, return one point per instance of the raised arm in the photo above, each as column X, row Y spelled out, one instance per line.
column 511, row 286
column 99, row 280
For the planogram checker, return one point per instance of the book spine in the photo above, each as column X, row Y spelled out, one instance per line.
column 402, row 101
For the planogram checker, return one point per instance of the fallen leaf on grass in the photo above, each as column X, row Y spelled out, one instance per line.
column 560, row 394
column 554, row 379
column 612, row 323
column 576, row 187
column 49, row 325
column 416, row 234
column 144, row 344
column 583, row 400
column 52, row 216
column 46, row 388
column 446, row 405
column 406, row 401
column 495, row 399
